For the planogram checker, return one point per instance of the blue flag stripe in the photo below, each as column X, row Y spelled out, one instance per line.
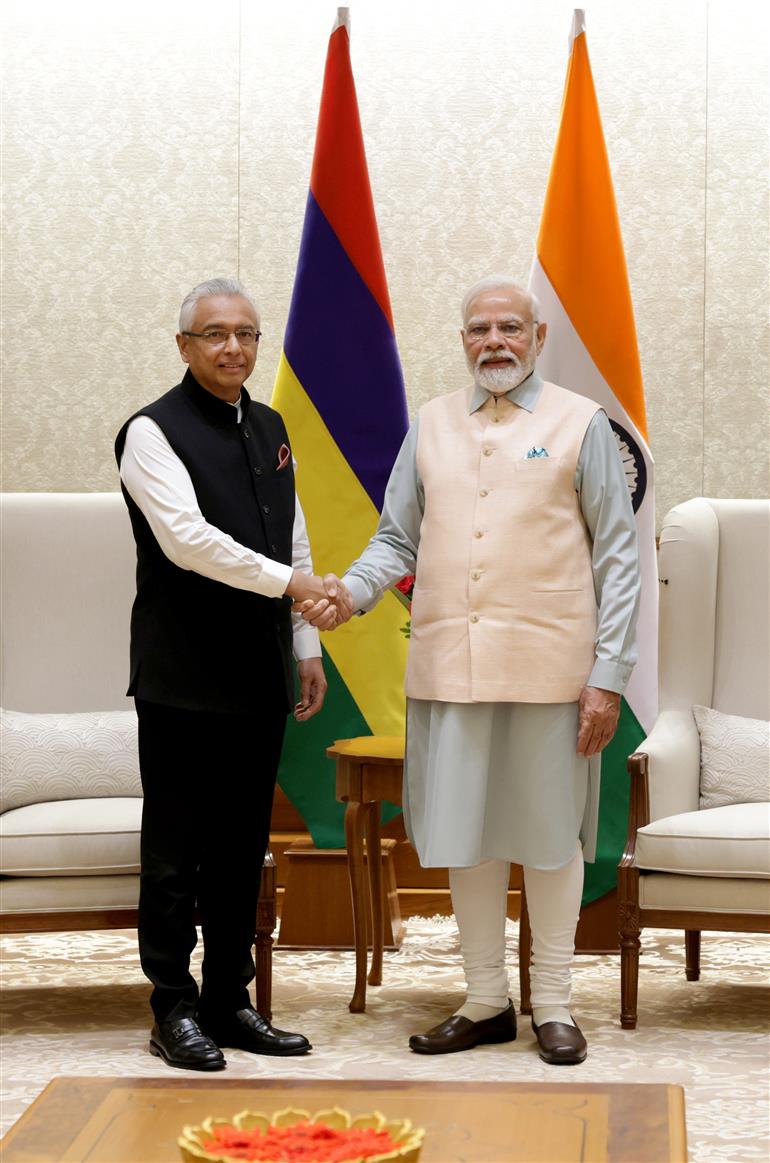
column 344, row 354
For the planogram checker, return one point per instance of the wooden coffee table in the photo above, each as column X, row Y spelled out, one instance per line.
column 137, row 1120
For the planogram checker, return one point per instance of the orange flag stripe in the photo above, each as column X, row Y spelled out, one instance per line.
column 580, row 245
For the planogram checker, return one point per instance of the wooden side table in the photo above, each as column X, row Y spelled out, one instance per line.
column 370, row 769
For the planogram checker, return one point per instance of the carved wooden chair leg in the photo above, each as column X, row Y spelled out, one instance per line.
column 263, row 963
column 692, row 954
column 263, row 938
column 525, row 956
column 629, row 979
column 628, row 925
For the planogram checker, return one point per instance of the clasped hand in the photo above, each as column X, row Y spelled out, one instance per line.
column 325, row 602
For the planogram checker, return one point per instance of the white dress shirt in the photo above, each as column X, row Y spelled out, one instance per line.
column 160, row 485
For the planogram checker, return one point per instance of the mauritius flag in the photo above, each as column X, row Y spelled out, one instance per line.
column 340, row 390
column 579, row 275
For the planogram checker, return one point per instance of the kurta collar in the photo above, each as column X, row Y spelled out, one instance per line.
column 210, row 404
column 526, row 394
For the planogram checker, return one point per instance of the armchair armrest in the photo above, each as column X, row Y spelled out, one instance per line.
column 672, row 750
column 673, row 764
column 638, row 807
column 665, row 775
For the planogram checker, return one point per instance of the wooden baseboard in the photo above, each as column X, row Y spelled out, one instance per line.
column 597, row 930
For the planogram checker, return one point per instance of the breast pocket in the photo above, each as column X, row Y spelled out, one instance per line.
column 535, row 468
column 537, row 480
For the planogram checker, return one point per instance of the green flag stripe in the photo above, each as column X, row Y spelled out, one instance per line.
column 601, row 877
column 307, row 776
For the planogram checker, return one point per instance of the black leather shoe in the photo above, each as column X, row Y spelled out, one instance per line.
column 560, row 1044
column 248, row 1030
column 179, row 1042
column 458, row 1033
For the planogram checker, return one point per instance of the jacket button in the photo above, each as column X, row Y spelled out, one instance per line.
column 273, row 548
column 479, row 533
column 488, row 451
column 474, row 617
column 258, row 471
column 476, row 574
column 484, row 493
column 245, row 435
column 265, row 508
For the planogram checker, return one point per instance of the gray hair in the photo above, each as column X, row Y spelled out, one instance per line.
column 206, row 291
column 499, row 283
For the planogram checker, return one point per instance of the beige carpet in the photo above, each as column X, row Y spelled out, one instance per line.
column 76, row 1004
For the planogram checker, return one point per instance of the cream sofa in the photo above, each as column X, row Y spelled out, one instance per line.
column 692, row 862
column 70, row 795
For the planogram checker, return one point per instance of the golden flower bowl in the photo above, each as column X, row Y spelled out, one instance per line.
column 408, row 1139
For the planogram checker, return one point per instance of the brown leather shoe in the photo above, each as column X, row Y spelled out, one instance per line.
column 560, row 1044
column 458, row 1033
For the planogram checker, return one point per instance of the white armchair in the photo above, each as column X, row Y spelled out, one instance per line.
column 686, row 866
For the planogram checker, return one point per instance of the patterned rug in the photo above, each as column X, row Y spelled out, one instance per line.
column 76, row 1004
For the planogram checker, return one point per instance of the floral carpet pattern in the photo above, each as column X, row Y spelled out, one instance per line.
column 76, row 1004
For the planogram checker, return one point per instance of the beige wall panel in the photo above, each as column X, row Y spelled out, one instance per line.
column 651, row 83
column 737, row 382
column 151, row 146
column 282, row 61
column 120, row 179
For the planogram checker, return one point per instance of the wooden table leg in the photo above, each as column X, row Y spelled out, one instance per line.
column 374, row 860
column 354, row 839
column 525, row 956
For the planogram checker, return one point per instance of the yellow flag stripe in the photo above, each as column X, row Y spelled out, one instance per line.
column 580, row 244
column 369, row 652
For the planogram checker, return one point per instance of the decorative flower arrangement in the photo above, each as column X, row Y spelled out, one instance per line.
column 404, row 590
column 296, row 1136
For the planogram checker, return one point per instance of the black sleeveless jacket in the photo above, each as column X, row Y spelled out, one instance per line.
column 198, row 643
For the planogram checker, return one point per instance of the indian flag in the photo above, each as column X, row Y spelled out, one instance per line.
column 340, row 390
column 579, row 275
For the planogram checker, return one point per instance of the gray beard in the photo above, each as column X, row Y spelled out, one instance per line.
column 500, row 380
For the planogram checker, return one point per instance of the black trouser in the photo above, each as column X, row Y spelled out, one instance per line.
column 208, row 782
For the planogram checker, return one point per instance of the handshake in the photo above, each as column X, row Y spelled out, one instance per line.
column 325, row 601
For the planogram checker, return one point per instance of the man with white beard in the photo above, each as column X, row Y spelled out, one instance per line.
column 508, row 501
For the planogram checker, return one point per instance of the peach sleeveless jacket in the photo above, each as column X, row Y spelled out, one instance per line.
column 504, row 607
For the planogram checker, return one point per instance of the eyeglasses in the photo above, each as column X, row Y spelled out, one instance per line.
column 512, row 330
column 217, row 336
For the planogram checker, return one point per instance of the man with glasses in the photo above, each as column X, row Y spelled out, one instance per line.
column 222, row 547
column 509, row 501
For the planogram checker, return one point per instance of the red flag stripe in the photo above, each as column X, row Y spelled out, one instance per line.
column 340, row 178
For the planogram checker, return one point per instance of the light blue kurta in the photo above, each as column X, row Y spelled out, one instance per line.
column 503, row 780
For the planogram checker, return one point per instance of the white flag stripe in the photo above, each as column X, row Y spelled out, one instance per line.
column 569, row 360
column 565, row 360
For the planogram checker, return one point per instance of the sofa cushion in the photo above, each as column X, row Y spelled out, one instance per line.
column 71, row 838
column 703, row 894
column 729, row 841
column 67, row 756
column 65, row 894
column 734, row 758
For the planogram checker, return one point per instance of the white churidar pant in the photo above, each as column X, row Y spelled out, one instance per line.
column 479, row 896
